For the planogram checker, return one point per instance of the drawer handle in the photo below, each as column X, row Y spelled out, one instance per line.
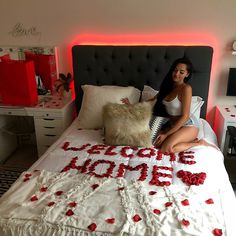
column 48, row 119
column 48, row 127
column 50, row 135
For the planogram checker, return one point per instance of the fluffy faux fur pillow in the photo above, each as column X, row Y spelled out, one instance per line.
column 128, row 124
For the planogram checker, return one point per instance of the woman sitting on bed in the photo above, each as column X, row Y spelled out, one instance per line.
column 174, row 101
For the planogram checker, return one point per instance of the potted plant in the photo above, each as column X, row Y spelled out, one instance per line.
column 62, row 85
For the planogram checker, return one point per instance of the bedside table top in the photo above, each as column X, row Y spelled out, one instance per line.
column 45, row 104
column 228, row 112
column 52, row 102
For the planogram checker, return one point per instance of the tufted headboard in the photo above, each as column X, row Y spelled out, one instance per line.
column 137, row 66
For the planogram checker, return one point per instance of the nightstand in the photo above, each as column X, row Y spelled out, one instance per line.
column 51, row 117
column 224, row 116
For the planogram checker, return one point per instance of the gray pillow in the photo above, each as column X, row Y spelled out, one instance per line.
column 156, row 124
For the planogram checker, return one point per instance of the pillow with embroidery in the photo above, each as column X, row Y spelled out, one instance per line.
column 156, row 124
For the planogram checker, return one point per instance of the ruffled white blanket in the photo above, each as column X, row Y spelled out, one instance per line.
column 65, row 204
column 83, row 187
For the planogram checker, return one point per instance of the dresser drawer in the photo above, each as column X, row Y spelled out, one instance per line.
column 39, row 114
column 14, row 112
column 48, row 122
column 46, row 139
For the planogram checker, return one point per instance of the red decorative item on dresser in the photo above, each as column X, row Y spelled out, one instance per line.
column 45, row 66
column 18, row 84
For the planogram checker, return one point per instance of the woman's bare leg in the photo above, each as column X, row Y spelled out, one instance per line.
column 205, row 143
column 181, row 140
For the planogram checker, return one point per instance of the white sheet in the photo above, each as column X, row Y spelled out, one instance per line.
column 77, row 152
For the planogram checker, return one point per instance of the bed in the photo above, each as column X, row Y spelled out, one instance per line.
column 83, row 186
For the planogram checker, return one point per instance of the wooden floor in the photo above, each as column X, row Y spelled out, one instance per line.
column 22, row 158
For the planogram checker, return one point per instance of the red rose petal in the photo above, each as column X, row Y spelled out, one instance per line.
column 94, row 186
column 136, row 218
column 28, row 175
column 121, row 188
column 58, row 193
column 72, row 204
column 209, row 201
column 34, row 198
column 217, row 232
column 110, row 220
column 152, row 192
column 26, row 179
column 185, row 222
column 92, row 227
column 70, row 213
column 157, row 211
column 51, row 204
column 185, row 202
column 168, row 204
column 43, row 189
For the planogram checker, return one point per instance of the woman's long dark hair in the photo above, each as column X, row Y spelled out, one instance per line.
column 167, row 85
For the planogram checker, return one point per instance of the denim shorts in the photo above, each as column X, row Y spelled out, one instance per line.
column 192, row 121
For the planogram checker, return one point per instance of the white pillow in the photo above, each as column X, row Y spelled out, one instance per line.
column 196, row 104
column 95, row 97
column 148, row 93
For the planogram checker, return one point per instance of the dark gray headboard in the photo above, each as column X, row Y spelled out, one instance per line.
column 137, row 66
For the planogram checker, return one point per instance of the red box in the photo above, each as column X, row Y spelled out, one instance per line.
column 18, row 83
column 45, row 67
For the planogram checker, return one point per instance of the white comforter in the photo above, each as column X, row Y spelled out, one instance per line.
column 84, row 187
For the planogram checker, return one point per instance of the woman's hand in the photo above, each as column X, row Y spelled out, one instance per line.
column 160, row 139
column 125, row 101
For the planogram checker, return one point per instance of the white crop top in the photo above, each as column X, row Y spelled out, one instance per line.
column 173, row 107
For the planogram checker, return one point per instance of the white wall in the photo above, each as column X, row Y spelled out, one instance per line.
column 61, row 23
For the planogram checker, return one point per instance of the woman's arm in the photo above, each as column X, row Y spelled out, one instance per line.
column 126, row 100
column 186, row 96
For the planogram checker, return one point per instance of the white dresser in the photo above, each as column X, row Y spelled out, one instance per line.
column 224, row 116
column 52, row 115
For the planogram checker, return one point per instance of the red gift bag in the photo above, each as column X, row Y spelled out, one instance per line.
column 18, row 83
column 45, row 67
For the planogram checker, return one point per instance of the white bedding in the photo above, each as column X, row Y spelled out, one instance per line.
column 151, row 193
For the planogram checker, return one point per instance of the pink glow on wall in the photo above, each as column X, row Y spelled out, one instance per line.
column 168, row 38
